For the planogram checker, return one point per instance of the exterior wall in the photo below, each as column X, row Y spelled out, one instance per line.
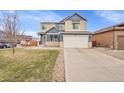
column 118, row 33
column 89, row 44
column 47, row 26
column 69, row 26
column 41, row 39
column 83, row 26
column 104, row 39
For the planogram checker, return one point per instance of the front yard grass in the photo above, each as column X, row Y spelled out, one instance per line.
column 27, row 65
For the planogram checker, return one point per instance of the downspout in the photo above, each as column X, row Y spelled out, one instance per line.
column 113, row 37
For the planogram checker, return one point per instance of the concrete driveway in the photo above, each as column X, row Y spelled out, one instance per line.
column 90, row 65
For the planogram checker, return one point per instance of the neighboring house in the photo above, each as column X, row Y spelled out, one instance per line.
column 25, row 40
column 21, row 39
column 71, row 32
column 111, row 37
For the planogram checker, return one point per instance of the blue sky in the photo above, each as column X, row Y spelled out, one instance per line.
column 97, row 19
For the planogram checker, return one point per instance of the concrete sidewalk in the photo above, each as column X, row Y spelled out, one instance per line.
column 90, row 65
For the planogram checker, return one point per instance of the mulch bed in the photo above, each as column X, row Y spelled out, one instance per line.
column 59, row 68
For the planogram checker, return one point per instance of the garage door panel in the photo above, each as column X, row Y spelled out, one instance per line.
column 75, row 41
column 121, row 42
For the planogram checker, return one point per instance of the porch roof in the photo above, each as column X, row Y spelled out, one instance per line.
column 52, row 33
column 67, row 33
column 41, row 33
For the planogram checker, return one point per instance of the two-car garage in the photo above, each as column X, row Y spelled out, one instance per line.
column 76, row 40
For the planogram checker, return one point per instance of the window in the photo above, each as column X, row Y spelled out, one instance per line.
column 61, row 27
column 90, row 39
column 52, row 38
column 75, row 25
column 61, row 37
column 43, row 27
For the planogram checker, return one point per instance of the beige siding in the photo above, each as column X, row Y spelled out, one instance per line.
column 83, row 26
column 47, row 26
column 69, row 26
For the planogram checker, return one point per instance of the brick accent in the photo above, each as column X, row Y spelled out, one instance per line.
column 61, row 44
column 52, row 44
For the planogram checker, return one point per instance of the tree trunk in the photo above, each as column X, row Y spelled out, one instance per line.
column 13, row 50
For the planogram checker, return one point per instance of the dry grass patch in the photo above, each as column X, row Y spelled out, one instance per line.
column 27, row 65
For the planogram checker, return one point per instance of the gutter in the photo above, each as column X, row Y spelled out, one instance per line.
column 76, row 33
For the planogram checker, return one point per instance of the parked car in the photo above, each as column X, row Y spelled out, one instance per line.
column 6, row 45
column 9, row 45
column 2, row 45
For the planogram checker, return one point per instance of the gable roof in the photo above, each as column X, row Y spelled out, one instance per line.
column 117, row 26
column 76, row 14
column 121, row 24
column 66, row 18
column 72, row 16
column 63, row 20
column 48, row 22
column 52, row 30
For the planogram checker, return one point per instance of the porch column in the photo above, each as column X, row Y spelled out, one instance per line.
column 38, row 40
column 45, row 39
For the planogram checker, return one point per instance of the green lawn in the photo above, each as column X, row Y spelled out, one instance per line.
column 27, row 65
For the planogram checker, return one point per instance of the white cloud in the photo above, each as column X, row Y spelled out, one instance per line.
column 28, row 17
column 49, row 16
column 11, row 11
column 114, row 16
column 40, row 16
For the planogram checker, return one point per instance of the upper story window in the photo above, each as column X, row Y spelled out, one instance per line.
column 60, row 26
column 75, row 25
column 43, row 27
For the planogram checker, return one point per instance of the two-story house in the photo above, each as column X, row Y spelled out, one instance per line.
column 71, row 32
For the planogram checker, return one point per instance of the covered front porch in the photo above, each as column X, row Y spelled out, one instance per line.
column 50, row 39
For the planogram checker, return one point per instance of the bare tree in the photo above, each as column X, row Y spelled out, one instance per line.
column 11, row 28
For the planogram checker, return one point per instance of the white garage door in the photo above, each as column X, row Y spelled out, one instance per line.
column 75, row 41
